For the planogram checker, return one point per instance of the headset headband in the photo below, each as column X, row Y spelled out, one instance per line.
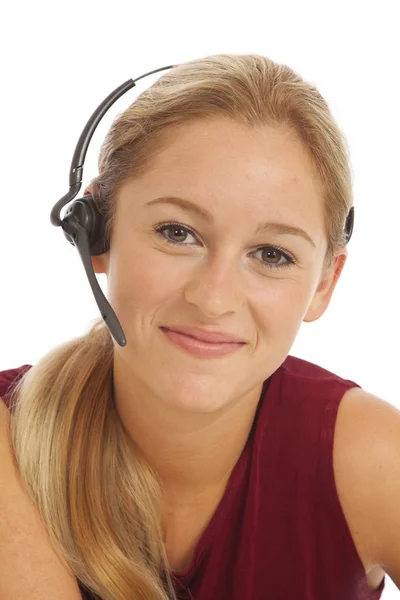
column 83, row 225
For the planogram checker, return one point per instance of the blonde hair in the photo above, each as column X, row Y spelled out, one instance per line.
column 100, row 500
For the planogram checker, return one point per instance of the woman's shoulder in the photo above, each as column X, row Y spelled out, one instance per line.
column 366, row 450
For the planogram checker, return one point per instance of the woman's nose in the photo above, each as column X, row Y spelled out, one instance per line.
column 216, row 289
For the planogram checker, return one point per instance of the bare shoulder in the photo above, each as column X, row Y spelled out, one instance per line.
column 366, row 460
column 3, row 407
column 5, row 419
column 30, row 565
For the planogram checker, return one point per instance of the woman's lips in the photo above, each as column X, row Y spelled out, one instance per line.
column 199, row 348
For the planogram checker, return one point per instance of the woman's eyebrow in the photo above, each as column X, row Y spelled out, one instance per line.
column 207, row 216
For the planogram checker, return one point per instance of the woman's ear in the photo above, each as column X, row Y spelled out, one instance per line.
column 100, row 263
column 324, row 291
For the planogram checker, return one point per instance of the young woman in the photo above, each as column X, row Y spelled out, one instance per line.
column 201, row 460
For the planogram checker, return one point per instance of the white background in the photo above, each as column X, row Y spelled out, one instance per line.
column 58, row 62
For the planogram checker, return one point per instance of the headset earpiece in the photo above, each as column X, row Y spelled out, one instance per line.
column 349, row 225
column 85, row 212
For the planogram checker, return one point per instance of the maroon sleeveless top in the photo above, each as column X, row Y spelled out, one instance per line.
column 279, row 531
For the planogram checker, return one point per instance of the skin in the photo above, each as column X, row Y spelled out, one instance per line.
column 191, row 416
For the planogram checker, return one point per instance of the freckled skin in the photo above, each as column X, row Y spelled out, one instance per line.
column 169, row 401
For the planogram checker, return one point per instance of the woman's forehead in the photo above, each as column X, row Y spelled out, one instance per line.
column 223, row 154
column 229, row 164
column 202, row 142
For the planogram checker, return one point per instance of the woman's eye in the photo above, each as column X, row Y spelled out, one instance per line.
column 275, row 253
column 271, row 252
column 174, row 228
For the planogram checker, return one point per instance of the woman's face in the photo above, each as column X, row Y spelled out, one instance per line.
column 226, row 274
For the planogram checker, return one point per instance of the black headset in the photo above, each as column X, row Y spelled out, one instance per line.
column 84, row 225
